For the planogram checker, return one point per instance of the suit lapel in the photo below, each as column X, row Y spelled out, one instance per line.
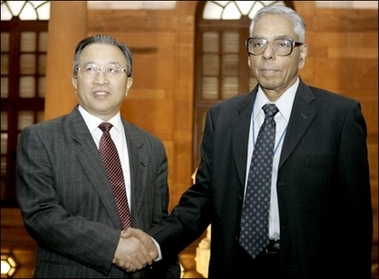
column 137, row 172
column 301, row 117
column 89, row 157
column 241, row 132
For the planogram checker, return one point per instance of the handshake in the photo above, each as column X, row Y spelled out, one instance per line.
column 135, row 250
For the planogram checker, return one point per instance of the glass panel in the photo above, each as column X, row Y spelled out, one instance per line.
column 4, row 87
column 211, row 65
column 15, row 7
column 44, row 11
column 28, row 12
column 230, row 42
column 4, row 40
column 25, row 119
column 211, row 42
column 231, row 11
column 5, row 12
column 212, row 10
column 3, row 173
column 43, row 39
column 28, row 41
column 210, row 88
column 4, row 64
column 27, row 87
column 4, row 120
column 4, row 143
column 229, row 87
column 230, row 65
column 40, row 116
column 27, row 64
column 41, row 87
column 245, row 6
column 42, row 64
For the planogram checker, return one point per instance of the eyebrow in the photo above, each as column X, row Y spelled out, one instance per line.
column 109, row 63
column 277, row 37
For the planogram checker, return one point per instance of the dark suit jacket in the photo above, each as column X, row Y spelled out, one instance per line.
column 323, row 188
column 67, row 203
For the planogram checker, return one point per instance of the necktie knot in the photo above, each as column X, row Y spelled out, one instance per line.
column 270, row 110
column 105, row 126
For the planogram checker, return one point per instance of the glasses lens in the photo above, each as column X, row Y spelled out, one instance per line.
column 89, row 70
column 113, row 70
column 257, row 46
column 282, row 47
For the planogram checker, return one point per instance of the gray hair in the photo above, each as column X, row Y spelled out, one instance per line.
column 297, row 21
column 103, row 39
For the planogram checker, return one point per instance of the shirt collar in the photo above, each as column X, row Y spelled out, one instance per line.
column 284, row 103
column 93, row 122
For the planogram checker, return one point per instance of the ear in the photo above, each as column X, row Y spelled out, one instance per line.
column 303, row 56
column 74, row 82
column 129, row 83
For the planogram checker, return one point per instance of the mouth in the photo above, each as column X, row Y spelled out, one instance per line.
column 101, row 93
column 268, row 71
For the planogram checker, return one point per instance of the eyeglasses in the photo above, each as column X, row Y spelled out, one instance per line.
column 91, row 70
column 281, row 47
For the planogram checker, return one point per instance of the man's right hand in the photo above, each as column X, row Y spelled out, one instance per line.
column 135, row 250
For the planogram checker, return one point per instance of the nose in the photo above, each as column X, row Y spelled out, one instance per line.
column 268, row 53
column 101, row 77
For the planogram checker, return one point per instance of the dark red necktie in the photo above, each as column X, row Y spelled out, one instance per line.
column 109, row 154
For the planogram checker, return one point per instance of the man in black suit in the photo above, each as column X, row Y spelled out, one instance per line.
column 320, row 215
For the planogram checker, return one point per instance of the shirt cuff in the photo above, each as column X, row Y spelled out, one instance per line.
column 159, row 257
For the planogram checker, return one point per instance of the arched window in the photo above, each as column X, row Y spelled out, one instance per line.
column 25, row 10
column 24, row 26
column 234, row 10
column 221, row 69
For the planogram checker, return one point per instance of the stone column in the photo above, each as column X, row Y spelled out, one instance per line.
column 67, row 26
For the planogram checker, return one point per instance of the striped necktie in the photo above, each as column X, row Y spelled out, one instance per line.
column 111, row 159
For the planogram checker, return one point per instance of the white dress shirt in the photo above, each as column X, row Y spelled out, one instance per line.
column 118, row 136
column 284, row 104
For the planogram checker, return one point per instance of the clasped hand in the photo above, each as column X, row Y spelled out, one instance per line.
column 135, row 250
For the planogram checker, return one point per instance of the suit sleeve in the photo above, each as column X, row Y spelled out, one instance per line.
column 46, row 220
column 191, row 216
column 355, row 191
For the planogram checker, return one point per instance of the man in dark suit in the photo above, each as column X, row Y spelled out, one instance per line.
column 64, row 193
column 320, row 215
